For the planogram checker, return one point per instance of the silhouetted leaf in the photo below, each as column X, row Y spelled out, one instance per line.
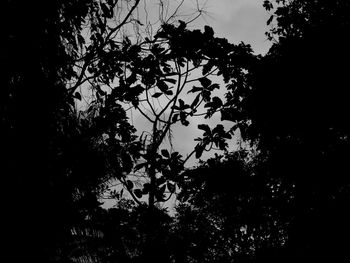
column 270, row 20
column 208, row 31
column 165, row 153
column 216, row 102
column 185, row 122
column 204, row 127
column 162, row 86
column 138, row 193
column 139, row 22
column 182, row 25
column 214, row 86
column 129, row 184
column 199, row 150
column 146, row 188
column 195, row 101
column 195, row 89
column 171, row 187
column 207, row 67
column 169, row 92
column 157, row 94
column 175, row 117
column 139, row 166
column 267, row 5
column 183, row 105
column 205, row 82
column 77, row 96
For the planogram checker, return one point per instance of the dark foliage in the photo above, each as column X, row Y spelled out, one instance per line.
column 47, row 187
column 230, row 212
column 285, row 198
column 298, row 110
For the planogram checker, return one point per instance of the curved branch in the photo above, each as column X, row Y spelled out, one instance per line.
column 122, row 23
column 171, row 194
column 144, row 114
column 189, row 156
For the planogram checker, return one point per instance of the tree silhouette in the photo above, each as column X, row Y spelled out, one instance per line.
column 48, row 166
column 229, row 211
column 294, row 114
column 283, row 198
column 45, row 146
column 159, row 71
column 297, row 112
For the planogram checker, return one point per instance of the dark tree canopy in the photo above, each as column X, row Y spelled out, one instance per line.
column 48, row 188
column 282, row 197
column 296, row 116
column 298, row 109
column 231, row 212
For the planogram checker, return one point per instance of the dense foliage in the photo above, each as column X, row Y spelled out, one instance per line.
column 283, row 196
column 298, row 114
column 52, row 170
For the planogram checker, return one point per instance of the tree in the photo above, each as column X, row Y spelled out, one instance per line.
column 297, row 114
column 229, row 211
column 160, row 69
column 294, row 113
column 61, row 53
column 45, row 145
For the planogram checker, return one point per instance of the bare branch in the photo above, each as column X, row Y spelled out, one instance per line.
column 175, row 12
column 123, row 22
column 189, row 156
column 171, row 194
column 144, row 114
column 149, row 103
